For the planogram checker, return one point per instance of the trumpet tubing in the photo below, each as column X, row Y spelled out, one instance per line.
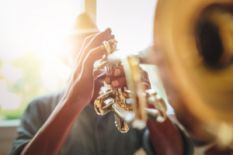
column 196, row 41
column 131, row 105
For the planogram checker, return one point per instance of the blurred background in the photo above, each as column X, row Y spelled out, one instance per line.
column 34, row 42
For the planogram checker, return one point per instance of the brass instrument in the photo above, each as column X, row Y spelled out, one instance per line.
column 129, row 104
column 195, row 39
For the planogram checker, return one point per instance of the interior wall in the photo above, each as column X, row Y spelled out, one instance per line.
column 131, row 21
column 7, row 135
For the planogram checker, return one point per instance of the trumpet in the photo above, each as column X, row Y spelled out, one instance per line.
column 196, row 42
column 131, row 105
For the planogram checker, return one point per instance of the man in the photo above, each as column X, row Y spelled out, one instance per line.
column 66, row 123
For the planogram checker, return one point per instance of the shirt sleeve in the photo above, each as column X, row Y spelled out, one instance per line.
column 31, row 121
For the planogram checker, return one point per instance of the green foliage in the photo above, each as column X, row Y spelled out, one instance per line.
column 27, row 86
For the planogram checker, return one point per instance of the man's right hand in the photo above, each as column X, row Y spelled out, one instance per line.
column 51, row 136
column 82, row 81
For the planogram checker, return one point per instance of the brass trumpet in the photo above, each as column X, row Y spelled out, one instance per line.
column 129, row 104
column 195, row 38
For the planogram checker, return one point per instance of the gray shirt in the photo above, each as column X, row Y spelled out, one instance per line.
column 90, row 135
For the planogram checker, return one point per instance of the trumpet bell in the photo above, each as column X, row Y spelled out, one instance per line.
column 196, row 41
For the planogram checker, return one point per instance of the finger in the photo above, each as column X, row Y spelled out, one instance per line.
column 105, row 76
column 92, row 42
column 107, row 80
column 118, row 71
column 145, row 75
column 88, row 49
column 146, row 85
column 145, row 78
column 99, row 74
column 87, row 63
column 80, row 54
column 86, row 40
column 98, row 38
column 92, row 39
column 92, row 56
column 119, row 83
column 102, row 36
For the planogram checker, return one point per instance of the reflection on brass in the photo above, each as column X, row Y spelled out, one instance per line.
column 131, row 105
column 110, row 46
column 196, row 40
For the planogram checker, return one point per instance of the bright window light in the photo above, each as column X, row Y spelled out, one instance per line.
column 33, row 37
column 130, row 20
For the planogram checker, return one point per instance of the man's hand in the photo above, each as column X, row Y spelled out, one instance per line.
column 117, row 78
column 82, row 81
column 53, row 133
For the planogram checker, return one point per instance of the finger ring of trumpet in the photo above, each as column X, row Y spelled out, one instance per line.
column 110, row 46
column 129, row 104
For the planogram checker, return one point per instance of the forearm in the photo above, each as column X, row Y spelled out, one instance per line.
column 165, row 138
column 52, row 135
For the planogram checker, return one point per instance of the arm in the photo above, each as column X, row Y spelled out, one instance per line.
column 53, row 133
column 165, row 138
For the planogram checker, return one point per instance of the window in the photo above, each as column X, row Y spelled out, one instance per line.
column 130, row 20
column 33, row 34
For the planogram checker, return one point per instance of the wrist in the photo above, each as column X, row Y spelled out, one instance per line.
column 75, row 99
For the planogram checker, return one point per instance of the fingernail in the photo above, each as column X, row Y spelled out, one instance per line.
column 146, row 85
column 117, row 72
column 115, row 83
column 107, row 79
column 108, row 30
